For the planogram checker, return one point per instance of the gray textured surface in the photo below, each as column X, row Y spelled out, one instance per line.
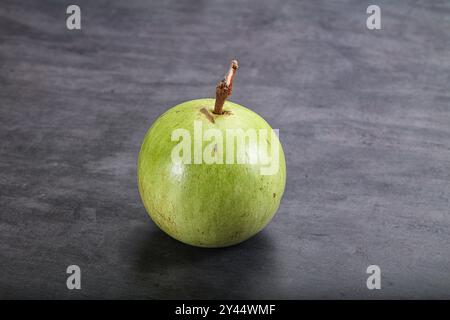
column 364, row 117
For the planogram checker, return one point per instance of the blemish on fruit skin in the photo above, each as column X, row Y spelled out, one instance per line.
column 274, row 194
column 208, row 115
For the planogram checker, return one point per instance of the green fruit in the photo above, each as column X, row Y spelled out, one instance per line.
column 204, row 204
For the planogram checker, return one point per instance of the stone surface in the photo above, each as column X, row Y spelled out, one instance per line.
column 364, row 118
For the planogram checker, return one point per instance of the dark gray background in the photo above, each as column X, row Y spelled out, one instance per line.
column 364, row 118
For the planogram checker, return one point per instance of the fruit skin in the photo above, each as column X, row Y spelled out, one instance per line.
column 206, row 205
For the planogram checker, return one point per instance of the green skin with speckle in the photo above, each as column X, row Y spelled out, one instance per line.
column 207, row 205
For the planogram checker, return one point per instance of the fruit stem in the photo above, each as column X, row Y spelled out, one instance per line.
column 224, row 87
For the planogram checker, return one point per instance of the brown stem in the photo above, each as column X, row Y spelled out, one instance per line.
column 224, row 87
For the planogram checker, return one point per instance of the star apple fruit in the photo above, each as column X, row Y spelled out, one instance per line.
column 214, row 194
